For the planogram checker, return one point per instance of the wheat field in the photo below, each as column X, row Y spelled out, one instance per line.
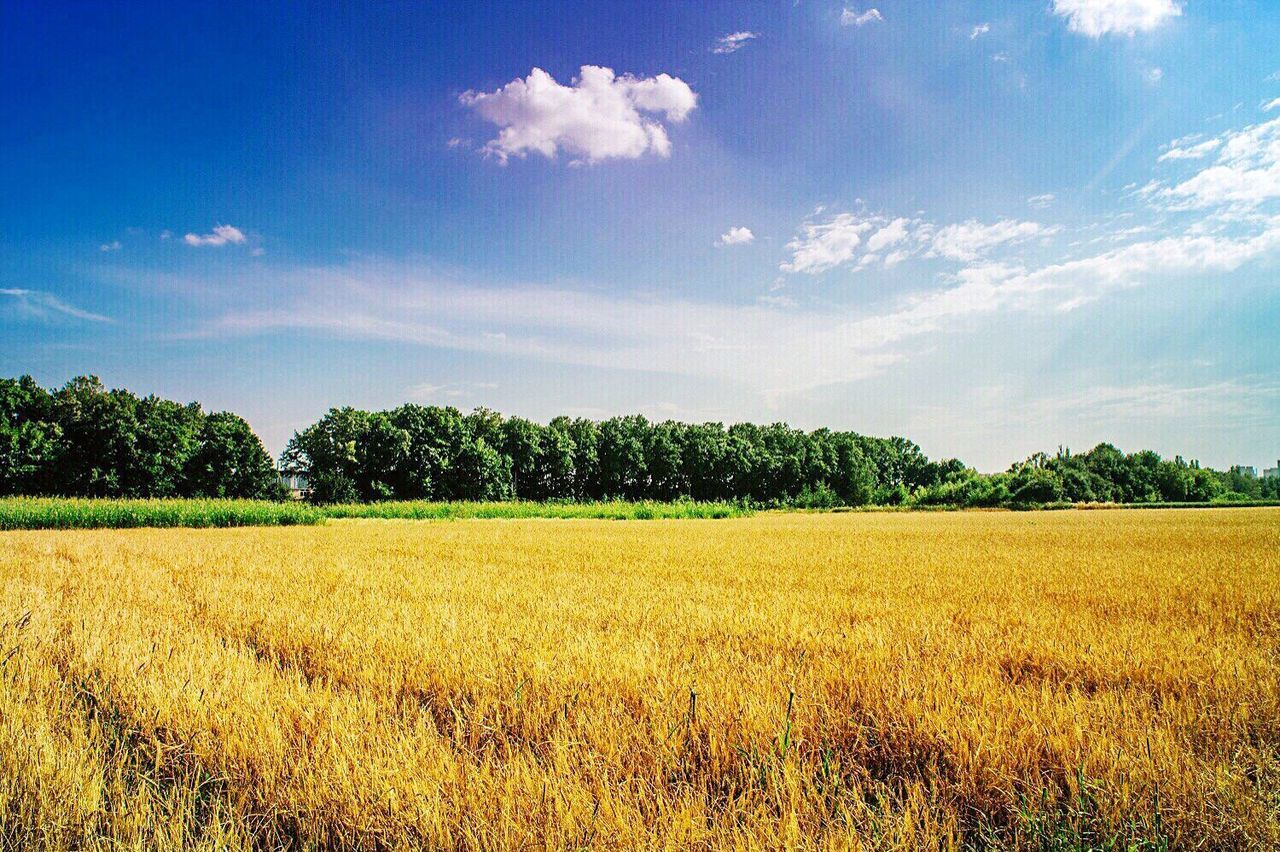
column 881, row 681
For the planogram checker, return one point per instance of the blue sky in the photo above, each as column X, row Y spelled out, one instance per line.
column 994, row 228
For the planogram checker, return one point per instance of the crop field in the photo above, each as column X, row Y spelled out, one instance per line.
column 823, row 681
column 66, row 513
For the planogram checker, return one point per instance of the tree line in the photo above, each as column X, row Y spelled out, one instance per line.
column 85, row 440
column 417, row 452
column 1101, row 475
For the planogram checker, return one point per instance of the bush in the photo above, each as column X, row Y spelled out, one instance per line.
column 819, row 497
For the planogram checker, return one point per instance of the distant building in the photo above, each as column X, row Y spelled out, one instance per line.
column 1245, row 470
column 1272, row 472
column 298, row 484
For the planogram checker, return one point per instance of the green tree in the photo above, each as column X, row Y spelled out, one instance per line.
column 230, row 461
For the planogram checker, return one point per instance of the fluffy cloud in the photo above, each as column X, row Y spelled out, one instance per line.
column 600, row 116
column 1096, row 18
column 825, row 245
column 890, row 235
column 850, row 18
column 221, row 236
column 37, row 304
column 736, row 237
column 733, row 42
column 971, row 239
column 1245, row 174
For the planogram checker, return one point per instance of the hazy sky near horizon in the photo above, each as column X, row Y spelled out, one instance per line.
column 991, row 227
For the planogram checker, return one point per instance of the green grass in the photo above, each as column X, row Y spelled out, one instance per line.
column 609, row 510
column 58, row 513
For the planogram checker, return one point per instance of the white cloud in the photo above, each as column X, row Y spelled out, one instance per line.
column 736, row 237
column 1153, row 75
column 1245, row 174
column 1191, row 152
column 1270, row 105
column 1096, row 18
column 1066, row 286
column 1040, row 202
column 114, row 245
column 979, row 30
column 772, row 345
column 971, row 239
column 826, row 245
column 599, row 117
column 823, row 245
column 891, row 234
column 850, row 18
column 221, row 236
column 733, row 42
column 37, row 304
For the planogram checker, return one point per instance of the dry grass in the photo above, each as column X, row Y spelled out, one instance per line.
column 1060, row 680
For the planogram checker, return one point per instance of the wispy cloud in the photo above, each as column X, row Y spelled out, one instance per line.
column 843, row 238
column 979, row 30
column 1244, row 175
column 114, row 245
column 41, row 305
column 449, row 392
column 852, row 18
column 733, row 42
column 1040, row 202
column 1190, row 152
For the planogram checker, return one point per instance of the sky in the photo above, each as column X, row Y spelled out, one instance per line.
column 994, row 228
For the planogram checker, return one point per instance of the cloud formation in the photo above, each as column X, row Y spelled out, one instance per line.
column 1245, row 174
column 825, row 245
column 971, row 239
column 850, row 18
column 38, row 304
column 736, row 237
column 221, row 236
column 733, row 42
column 1096, row 18
column 1181, row 151
column 822, row 245
column 979, row 30
column 600, row 116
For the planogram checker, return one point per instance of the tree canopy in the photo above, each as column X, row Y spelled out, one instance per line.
column 83, row 440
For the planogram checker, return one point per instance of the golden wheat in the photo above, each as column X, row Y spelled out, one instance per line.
column 785, row 681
